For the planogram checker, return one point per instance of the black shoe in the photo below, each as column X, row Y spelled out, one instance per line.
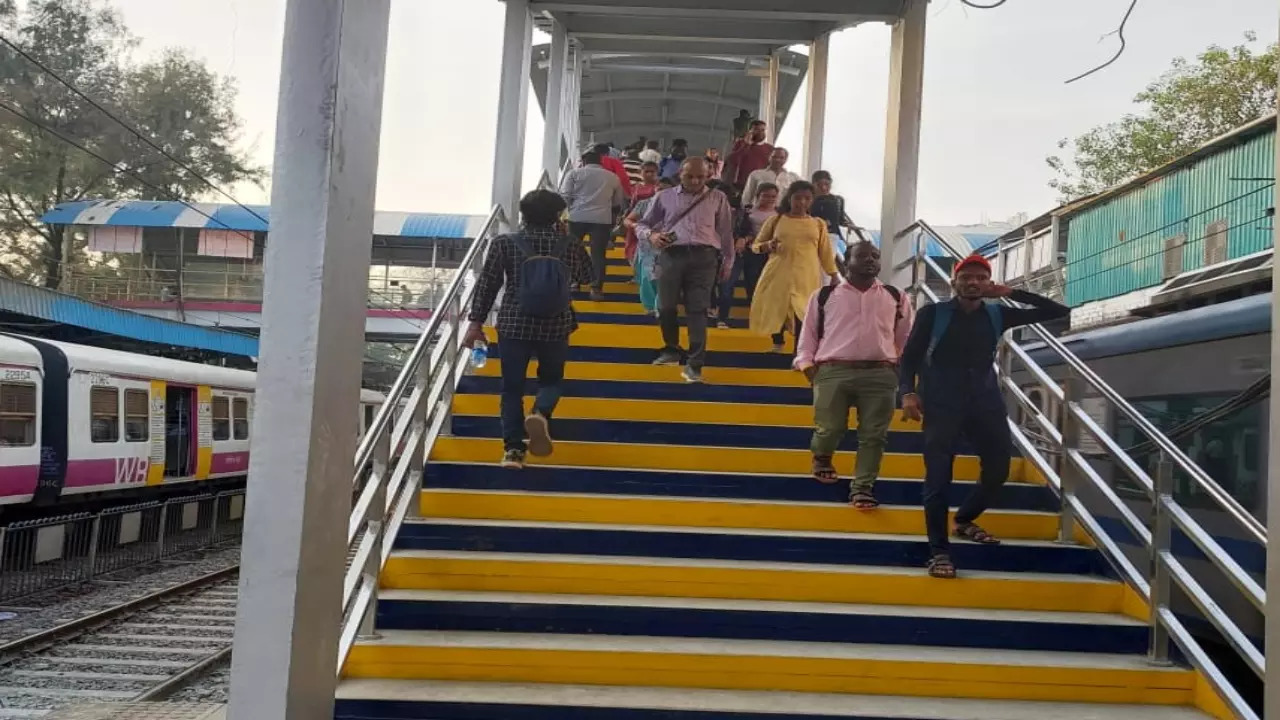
column 668, row 357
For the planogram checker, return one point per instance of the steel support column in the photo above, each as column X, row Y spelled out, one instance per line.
column 816, row 122
column 304, row 433
column 769, row 99
column 1271, row 632
column 902, row 131
column 513, row 101
column 557, row 82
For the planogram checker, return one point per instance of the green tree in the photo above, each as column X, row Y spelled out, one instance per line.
column 174, row 100
column 1190, row 104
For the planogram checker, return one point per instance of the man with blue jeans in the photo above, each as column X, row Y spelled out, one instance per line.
column 522, row 335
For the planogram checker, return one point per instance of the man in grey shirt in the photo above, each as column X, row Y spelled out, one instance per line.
column 594, row 195
column 691, row 226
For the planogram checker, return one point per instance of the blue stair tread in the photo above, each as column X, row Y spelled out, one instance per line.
column 720, row 486
column 366, row 699
column 825, row 548
column 759, row 619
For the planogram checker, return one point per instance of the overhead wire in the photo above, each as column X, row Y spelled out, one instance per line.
column 1118, row 32
column 980, row 6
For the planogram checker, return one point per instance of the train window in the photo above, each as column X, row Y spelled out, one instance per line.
column 240, row 418
column 17, row 415
column 104, row 414
column 221, row 418
column 137, row 418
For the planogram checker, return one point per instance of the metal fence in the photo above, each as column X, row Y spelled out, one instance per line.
column 41, row 555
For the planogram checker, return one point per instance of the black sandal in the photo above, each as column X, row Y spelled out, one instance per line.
column 864, row 501
column 973, row 533
column 824, row 471
column 941, row 567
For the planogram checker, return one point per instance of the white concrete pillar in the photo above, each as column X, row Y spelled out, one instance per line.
column 556, row 107
column 816, row 121
column 769, row 109
column 902, row 131
column 513, row 102
column 304, row 430
column 573, row 99
column 1271, row 632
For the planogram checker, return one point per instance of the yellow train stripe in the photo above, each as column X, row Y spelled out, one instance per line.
column 708, row 459
column 638, row 578
column 700, row 513
column 156, row 429
column 204, row 433
column 654, row 373
column 673, row 411
column 650, row 338
column 730, row 671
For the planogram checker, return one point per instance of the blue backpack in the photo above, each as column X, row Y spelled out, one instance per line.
column 544, row 279
column 942, row 320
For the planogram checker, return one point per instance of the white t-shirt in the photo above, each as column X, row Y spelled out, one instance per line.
column 764, row 175
column 650, row 155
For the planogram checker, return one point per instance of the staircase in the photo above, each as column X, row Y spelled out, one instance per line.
column 672, row 560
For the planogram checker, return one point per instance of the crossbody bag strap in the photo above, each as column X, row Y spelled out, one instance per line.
column 705, row 194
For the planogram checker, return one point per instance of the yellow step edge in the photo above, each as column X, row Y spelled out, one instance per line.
column 639, row 578
column 657, row 373
column 738, row 312
column 674, row 411
column 650, row 338
column 873, row 676
column 707, row 459
column 701, row 513
column 627, row 288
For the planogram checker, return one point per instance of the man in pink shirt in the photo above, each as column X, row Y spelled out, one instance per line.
column 851, row 338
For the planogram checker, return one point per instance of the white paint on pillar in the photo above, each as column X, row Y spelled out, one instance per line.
column 1271, row 632
column 513, row 102
column 556, row 107
column 771, row 99
column 816, row 120
column 304, row 430
column 902, row 133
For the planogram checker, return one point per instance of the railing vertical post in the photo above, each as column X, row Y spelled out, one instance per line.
column 92, row 557
column 1072, row 391
column 375, row 523
column 160, row 533
column 453, row 353
column 1161, row 541
column 418, row 425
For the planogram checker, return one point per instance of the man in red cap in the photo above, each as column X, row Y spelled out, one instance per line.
column 951, row 351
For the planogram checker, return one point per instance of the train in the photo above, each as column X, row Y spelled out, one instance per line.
column 1173, row 368
column 81, row 423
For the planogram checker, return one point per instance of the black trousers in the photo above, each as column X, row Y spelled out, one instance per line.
column 516, row 355
column 688, row 272
column 601, row 237
column 974, row 410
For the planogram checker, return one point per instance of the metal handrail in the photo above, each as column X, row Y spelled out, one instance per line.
column 389, row 462
column 1073, row 467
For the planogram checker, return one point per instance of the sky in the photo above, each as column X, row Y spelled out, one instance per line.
column 994, row 99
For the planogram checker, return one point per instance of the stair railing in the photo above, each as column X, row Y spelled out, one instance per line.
column 391, row 456
column 1057, row 453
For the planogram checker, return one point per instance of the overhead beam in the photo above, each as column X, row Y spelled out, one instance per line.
column 662, row 46
column 679, row 95
column 811, row 10
column 673, row 69
column 775, row 31
column 652, row 129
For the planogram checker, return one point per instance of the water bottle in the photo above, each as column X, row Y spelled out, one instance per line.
column 479, row 355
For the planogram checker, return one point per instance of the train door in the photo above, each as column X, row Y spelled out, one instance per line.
column 179, row 431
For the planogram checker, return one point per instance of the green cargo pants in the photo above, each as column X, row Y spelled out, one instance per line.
column 836, row 389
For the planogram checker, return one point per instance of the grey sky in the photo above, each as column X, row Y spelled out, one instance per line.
column 994, row 104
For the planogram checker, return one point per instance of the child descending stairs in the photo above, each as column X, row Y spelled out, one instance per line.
column 672, row 560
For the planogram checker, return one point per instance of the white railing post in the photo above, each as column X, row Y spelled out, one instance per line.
column 1069, row 426
column 375, row 522
column 1161, row 542
column 418, row 427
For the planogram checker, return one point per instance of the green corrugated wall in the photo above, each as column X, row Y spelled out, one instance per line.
column 1117, row 246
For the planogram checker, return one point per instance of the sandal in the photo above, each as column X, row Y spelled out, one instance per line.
column 824, row 471
column 940, row 566
column 864, row 501
column 973, row 533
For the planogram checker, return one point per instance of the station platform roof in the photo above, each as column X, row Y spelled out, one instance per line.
column 67, row 317
column 249, row 218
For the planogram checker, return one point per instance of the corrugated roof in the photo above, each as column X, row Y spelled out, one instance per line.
column 31, row 301
column 164, row 213
column 1262, row 125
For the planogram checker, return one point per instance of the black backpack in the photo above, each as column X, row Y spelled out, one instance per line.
column 825, row 294
column 544, row 279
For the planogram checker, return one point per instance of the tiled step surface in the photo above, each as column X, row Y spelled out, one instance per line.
column 365, row 699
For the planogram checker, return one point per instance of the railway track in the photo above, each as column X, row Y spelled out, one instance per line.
column 137, row 651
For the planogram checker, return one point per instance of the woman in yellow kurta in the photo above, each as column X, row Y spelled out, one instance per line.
column 800, row 256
